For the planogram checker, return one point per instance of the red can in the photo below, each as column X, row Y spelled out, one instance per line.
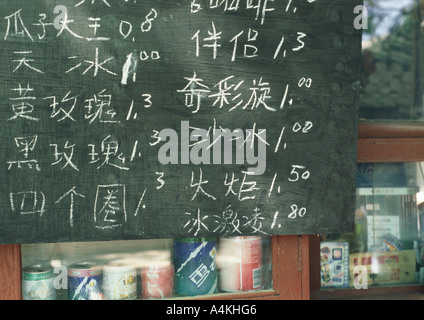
column 240, row 263
column 157, row 279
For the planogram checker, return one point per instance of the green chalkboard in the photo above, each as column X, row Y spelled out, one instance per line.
column 168, row 118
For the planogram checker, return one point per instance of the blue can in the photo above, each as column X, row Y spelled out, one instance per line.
column 84, row 281
column 195, row 266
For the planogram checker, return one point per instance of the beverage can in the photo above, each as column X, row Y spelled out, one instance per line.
column 84, row 281
column 119, row 281
column 38, row 282
column 195, row 266
column 157, row 279
column 240, row 263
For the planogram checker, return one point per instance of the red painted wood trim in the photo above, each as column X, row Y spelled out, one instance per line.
column 10, row 272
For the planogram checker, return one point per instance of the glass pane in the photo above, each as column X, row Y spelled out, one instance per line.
column 386, row 247
column 145, row 269
column 392, row 80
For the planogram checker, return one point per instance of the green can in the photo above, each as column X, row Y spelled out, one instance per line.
column 195, row 266
column 38, row 282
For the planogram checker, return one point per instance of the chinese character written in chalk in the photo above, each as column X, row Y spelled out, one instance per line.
column 109, row 206
column 194, row 91
column 22, row 106
column 16, row 26
column 25, row 146
column 28, row 202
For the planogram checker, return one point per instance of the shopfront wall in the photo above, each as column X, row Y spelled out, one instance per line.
column 102, row 173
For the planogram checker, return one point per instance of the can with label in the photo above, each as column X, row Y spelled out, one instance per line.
column 119, row 281
column 38, row 282
column 240, row 264
column 195, row 266
column 84, row 281
column 157, row 279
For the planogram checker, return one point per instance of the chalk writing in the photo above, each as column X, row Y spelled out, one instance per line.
column 246, row 39
column 255, row 222
column 195, row 222
column 16, row 26
column 94, row 64
column 296, row 211
column 99, row 107
column 228, row 222
column 25, row 61
column 131, row 119
column 58, row 111
column 109, row 206
column 92, row 2
column 109, row 154
column 64, row 157
column 71, row 193
column 21, row 107
column 233, row 94
column 198, row 185
column 28, row 202
column 25, row 145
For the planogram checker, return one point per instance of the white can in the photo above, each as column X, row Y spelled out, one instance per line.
column 119, row 281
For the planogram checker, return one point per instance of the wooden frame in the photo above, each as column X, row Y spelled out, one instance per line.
column 10, row 274
column 384, row 142
column 291, row 271
column 391, row 142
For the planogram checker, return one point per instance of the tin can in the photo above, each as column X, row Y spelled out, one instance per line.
column 119, row 281
column 195, row 266
column 240, row 264
column 157, row 279
column 84, row 281
column 38, row 282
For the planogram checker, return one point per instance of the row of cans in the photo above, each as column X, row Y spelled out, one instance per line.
column 90, row 281
column 192, row 272
column 240, row 265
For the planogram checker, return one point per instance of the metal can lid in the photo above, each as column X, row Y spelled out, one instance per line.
column 84, row 269
column 195, row 240
column 157, row 264
column 37, row 268
column 118, row 267
column 37, row 272
column 243, row 238
column 83, row 265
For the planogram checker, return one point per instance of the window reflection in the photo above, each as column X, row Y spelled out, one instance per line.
column 392, row 61
column 386, row 247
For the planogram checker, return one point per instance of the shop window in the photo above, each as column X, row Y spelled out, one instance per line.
column 386, row 247
column 392, row 78
column 145, row 269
